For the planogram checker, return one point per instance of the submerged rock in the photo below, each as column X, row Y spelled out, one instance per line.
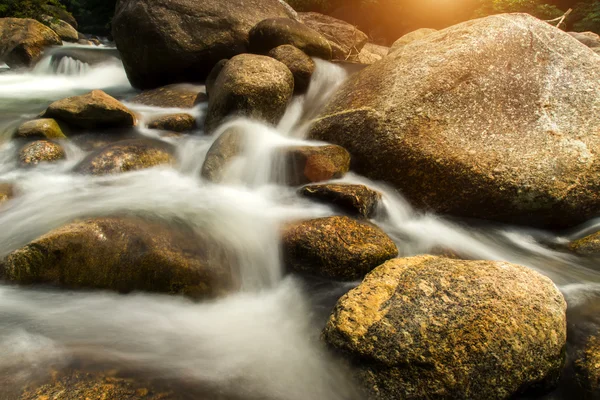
column 124, row 255
column 127, row 155
column 22, row 41
column 356, row 200
column 174, row 122
column 587, row 246
column 93, row 110
column 228, row 145
column 335, row 247
column 171, row 96
column 307, row 164
column 301, row 65
column 489, row 133
column 168, row 41
column 345, row 39
column 41, row 151
column 587, row 368
column 44, row 128
column 250, row 85
column 6, row 192
column 272, row 33
column 436, row 328
column 411, row 37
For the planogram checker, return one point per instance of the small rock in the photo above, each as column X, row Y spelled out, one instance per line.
column 309, row 164
column 6, row 192
column 371, row 53
column 45, row 128
column 125, row 156
column 587, row 368
column 587, row 246
column 411, row 37
column 227, row 146
column 93, row 110
column 335, row 247
column 301, row 65
column 274, row 32
column 214, row 74
column 174, row 122
column 428, row 327
column 356, row 200
column 40, row 151
column 171, row 96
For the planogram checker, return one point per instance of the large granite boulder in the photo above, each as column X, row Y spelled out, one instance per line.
column 345, row 39
column 335, row 247
column 411, row 37
column 93, row 110
column 250, row 85
column 495, row 118
column 371, row 53
column 435, row 328
column 22, row 41
column 168, row 41
column 123, row 254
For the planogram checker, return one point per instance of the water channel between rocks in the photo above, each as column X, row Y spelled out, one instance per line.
column 262, row 342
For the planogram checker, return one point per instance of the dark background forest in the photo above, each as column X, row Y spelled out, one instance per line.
column 383, row 20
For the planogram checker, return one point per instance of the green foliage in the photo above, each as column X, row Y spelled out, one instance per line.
column 27, row 8
column 586, row 17
column 93, row 16
column 536, row 8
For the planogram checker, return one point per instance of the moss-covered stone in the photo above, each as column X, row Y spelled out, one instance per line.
column 43, row 128
column 174, row 122
column 335, row 247
column 124, row 255
column 301, row 65
column 127, row 155
column 171, row 96
column 308, row 164
column 356, row 200
column 41, row 151
column 587, row 368
column 435, row 328
column 587, row 246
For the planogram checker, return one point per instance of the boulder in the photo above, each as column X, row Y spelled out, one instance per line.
column 411, row 37
column 587, row 368
column 95, row 42
column 124, row 255
column 335, row 247
column 590, row 39
column 307, row 164
column 6, row 192
column 40, row 151
column 64, row 30
column 274, row 32
column 587, row 246
column 127, row 155
column 43, row 128
column 228, row 145
column 371, row 53
column 345, row 39
column 435, row 328
column 214, row 74
column 250, row 85
column 169, row 41
column 93, row 110
column 489, row 133
column 355, row 200
column 85, row 42
column 301, row 65
column 22, row 41
column 62, row 14
column 171, row 96
column 174, row 122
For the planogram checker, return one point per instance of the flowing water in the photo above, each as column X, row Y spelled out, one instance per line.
column 261, row 343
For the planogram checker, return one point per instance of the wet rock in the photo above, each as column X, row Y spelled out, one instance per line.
column 62, row 14
column 45, row 128
column 95, row 42
column 63, row 29
column 85, row 42
column 91, row 56
column 124, row 255
column 335, row 247
column 590, row 39
column 356, row 200
column 125, row 156
column 301, row 65
column 250, row 85
column 6, row 192
column 411, row 37
column 169, row 41
column 430, row 327
column 41, row 151
column 175, row 122
column 93, row 110
column 345, row 39
column 427, row 128
column 214, row 74
column 22, row 41
column 309, row 164
column 371, row 53
column 587, row 246
column 171, row 96
column 587, row 368
column 275, row 32
column 228, row 145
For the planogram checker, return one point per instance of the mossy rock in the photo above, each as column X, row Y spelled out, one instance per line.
column 587, row 368
column 43, row 128
column 587, row 246
column 24, row 40
column 41, row 151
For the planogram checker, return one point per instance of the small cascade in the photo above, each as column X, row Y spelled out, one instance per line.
column 69, row 66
